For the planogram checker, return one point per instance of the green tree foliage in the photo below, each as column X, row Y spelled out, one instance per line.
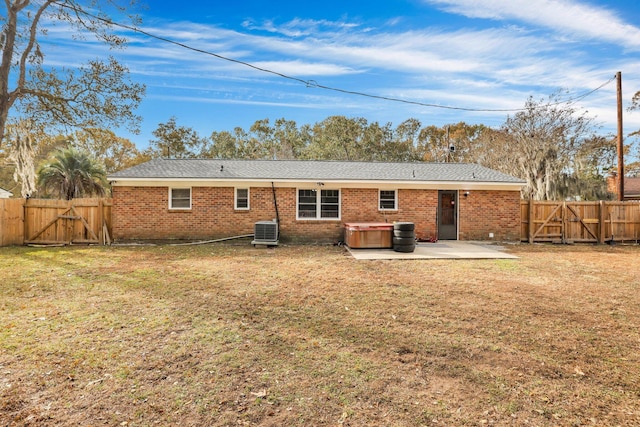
column 549, row 144
column 284, row 140
column 337, row 138
column 113, row 152
column 288, row 140
column 405, row 141
column 450, row 143
column 27, row 146
column 354, row 139
column 98, row 94
column 174, row 141
column 223, row 145
column 71, row 174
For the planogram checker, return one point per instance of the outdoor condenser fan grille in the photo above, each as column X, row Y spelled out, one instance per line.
column 265, row 233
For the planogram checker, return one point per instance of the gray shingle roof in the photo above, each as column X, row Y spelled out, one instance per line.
column 312, row 170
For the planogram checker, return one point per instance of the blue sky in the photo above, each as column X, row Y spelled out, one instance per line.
column 473, row 54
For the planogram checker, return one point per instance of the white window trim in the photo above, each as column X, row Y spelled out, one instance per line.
column 171, row 198
column 235, row 199
column 318, row 204
column 395, row 201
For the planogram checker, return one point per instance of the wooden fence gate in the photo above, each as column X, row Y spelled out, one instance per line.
column 56, row 222
column 568, row 222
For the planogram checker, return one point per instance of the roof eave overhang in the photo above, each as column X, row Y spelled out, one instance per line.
column 325, row 183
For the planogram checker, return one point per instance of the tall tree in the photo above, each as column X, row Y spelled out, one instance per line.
column 7, row 170
column 98, row 94
column 174, row 141
column 432, row 144
column 337, row 138
column 450, row 143
column 492, row 149
column 289, row 139
column 376, row 143
column 72, row 174
column 546, row 137
column 260, row 143
column 635, row 105
column 404, row 144
column 590, row 166
column 26, row 145
column 113, row 152
column 221, row 145
column 22, row 155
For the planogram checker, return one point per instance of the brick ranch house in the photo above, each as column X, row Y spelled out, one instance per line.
column 208, row 199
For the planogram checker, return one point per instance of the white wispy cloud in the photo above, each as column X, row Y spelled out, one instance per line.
column 302, row 69
column 497, row 56
column 565, row 16
column 300, row 27
column 485, row 66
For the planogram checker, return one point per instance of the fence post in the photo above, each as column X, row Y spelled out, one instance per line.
column 603, row 218
column 563, row 221
column 531, row 222
column 100, row 221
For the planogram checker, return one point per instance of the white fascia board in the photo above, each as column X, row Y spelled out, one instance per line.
column 296, row 183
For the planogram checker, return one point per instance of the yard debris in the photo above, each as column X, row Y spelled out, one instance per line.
column 261, row 393
column 99, row 380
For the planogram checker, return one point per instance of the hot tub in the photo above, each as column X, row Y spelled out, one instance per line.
column 368, row 235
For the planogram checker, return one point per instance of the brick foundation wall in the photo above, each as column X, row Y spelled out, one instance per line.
column 143, row 213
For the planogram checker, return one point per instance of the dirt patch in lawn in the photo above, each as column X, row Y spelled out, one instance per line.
column 224, row 334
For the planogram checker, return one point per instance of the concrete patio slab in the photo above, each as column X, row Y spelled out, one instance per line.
column 450, row 249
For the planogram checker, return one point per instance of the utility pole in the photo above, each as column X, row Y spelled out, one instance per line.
column 620, row 140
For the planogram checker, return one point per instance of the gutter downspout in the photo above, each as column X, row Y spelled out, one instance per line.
column 275, row 204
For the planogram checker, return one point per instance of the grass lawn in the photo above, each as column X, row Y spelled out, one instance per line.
column 227, row 335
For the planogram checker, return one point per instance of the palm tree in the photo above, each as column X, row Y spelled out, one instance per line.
column 72, row 174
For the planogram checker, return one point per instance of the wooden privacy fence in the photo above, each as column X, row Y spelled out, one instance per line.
column 568, row 222
column 88, row 221
column 53, row 222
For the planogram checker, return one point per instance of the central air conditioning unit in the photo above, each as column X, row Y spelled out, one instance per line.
column 265, row 233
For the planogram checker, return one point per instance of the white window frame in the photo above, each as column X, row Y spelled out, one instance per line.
column 235, row 202
column 171, row 198
column 395, row 200
column 318, row 204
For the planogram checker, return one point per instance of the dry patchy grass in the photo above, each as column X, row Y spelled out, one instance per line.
column 305, row 335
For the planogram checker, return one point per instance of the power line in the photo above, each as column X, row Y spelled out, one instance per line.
column 313, row 83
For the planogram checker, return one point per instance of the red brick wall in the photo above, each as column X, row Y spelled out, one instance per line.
column 417, row 206
column 484, row 212
column 143, row 213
